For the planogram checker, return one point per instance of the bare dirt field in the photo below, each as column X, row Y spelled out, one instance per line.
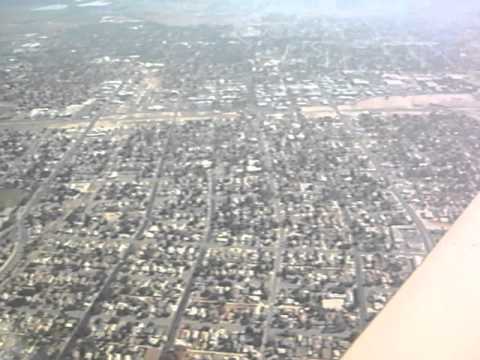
column 318, row 111
column 413, row 102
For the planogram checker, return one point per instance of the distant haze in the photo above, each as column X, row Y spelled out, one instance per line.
column 361, row 7
column 429, row 11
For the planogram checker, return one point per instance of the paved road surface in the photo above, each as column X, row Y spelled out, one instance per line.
column 21, row 231
column 83, row 321
column 382, row 173
column 204, row 245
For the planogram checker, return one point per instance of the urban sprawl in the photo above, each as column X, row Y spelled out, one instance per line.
column 225, row 192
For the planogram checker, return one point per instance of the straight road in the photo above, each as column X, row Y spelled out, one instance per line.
column 280, row 244
column 204, row 246
column 83, row 321
column 21, row 231
column 359, row 274
column 382, row 173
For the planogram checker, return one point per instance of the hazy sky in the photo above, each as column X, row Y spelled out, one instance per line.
column 387, row 7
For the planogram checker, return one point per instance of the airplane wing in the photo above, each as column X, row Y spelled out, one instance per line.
column 436, row 314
